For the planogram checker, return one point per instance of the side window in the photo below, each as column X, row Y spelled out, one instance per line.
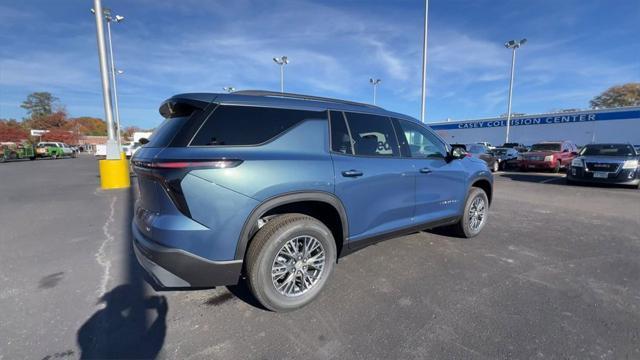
column 372, row 135
column 340, row 139
column 247, row 125
column 421, row 142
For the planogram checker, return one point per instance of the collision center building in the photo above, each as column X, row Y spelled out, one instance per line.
column 620, row 125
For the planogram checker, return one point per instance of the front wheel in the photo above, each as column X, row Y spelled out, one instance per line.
column 289, row 261
column 474, row 217
column 54, row 156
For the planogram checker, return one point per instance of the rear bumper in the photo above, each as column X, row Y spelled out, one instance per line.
column 176, row 268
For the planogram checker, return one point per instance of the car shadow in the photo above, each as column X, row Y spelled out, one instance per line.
column 131, row 324
column 534, row 177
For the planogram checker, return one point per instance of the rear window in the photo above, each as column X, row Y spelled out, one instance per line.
column 164, row 133
column 609, row 150
column 247, row 125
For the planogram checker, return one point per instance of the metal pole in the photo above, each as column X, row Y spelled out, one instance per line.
column 112, row 150
column 424, row 62
column 282, row 78
column 115, row 89
column 375, row 85
column 513, row 66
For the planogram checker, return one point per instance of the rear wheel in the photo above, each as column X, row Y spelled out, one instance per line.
column 475, row 214
column 289, row 261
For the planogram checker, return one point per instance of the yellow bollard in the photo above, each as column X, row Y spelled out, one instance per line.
column 114, row 174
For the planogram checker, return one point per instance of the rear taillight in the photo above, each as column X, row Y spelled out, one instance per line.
column 215, row 164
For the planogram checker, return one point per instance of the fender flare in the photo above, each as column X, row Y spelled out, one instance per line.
column 271, row 203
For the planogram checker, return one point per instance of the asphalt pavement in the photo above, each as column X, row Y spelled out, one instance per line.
column 555, row 274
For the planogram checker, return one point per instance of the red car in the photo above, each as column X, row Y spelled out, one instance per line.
column 549, row 155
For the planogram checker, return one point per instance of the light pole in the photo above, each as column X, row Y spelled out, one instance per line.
column 113, row 152
column 282, row 61
column 117, row 19
column 375, row 86
column 424, row 62
column 513, row 45
column 229, row 89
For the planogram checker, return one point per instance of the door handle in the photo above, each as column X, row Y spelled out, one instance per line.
column 425, row 171
column 352, row 173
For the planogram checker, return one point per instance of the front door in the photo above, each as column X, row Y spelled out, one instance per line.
column 376, row 186
column 440, row 184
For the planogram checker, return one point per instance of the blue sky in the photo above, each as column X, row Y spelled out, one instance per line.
column 576, row 49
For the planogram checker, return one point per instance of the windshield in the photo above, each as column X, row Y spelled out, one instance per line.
column 500, row 151
column 608, row 150
column 546, row 147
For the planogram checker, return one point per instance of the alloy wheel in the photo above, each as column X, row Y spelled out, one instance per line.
column 298, row 265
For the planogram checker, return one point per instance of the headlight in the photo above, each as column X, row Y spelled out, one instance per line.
column 577, row 163
column 630, row 164
column 548, row 158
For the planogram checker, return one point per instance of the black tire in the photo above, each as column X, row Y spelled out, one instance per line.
column 32, row 158
column 266, row 245
column 463, row 228
column 54, row 156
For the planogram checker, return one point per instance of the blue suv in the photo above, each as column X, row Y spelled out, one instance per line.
column 275, row 187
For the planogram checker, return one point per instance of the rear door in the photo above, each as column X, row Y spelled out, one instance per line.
column 376, row 185
column 440, row 185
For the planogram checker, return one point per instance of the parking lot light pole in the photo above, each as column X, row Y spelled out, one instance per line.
column 117, row 19
column 424, row 62
column 513, row 45
column 375, row 86
column 282, row 61
column 114, row 170
column 229, row 89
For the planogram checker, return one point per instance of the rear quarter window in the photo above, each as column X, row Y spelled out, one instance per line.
column 231, row 125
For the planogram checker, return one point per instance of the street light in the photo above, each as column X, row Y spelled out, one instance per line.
column 282, row 61
column 513, row 45
column 229, row 89
column 424, row 61
column 375, row 86
column 117, row 19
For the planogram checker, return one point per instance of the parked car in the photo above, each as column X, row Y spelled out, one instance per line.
column 130, row 149
column 518, row 146
column 549, row 155
column 507, row 157
column 606, row 163
column 53, row 150
column 275, row 187
column 13, row 151
column 484, row 153
column 488, row 145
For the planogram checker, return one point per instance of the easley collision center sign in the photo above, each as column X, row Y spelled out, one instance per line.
column 543, row 120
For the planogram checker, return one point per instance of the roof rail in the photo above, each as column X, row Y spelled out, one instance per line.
column 300, row 96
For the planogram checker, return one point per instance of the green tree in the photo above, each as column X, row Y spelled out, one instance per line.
column 618, row 96
column 39, row 104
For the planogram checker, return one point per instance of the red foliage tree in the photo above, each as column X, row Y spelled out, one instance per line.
column 65, row 136
column 11, row 131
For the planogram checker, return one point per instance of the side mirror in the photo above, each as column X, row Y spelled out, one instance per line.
column 143, row 141
column 457, row 153
column 574, row 153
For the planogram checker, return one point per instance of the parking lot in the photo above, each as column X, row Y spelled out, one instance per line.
column 555, row 274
